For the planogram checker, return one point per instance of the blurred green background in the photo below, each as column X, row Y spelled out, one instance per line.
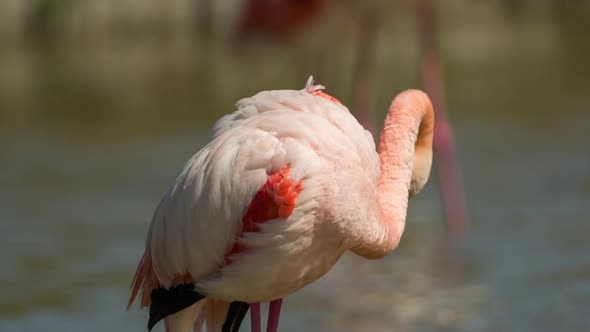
column 102, row 102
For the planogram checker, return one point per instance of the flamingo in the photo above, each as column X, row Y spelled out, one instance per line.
column 287, row 184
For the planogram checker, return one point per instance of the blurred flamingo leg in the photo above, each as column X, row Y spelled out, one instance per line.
column 364, row 71
column 431, row 73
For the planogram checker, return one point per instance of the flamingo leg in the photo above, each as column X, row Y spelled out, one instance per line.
column 449, row 179
column 256, row 325
column 273, row 315
column 446, row 165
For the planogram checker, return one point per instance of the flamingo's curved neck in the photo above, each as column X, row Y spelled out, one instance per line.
column 405, row 151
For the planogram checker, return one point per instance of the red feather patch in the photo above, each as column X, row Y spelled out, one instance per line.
column 275, row 199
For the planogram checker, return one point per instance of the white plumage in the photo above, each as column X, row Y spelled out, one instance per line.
column 199, row 219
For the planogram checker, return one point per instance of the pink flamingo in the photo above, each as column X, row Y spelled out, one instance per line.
column 286, row 185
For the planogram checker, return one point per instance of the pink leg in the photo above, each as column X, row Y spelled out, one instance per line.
column 255, row 317
column 444, row 153
column 449, row 179
column 273, row 315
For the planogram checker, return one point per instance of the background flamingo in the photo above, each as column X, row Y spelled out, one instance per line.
column 287, row 184
column 279, row 19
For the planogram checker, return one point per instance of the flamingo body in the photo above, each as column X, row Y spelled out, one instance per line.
column 286, row 185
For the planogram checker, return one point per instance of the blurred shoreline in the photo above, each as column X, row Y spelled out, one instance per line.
column 96, row 64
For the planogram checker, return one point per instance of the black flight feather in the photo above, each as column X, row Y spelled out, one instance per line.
column 235, row 316
column 166, row 302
